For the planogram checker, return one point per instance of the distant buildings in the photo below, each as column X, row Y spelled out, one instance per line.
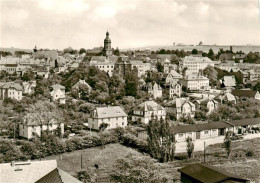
column 11, row 90
column 106, row 66
column 146, row 110
column 114, row 116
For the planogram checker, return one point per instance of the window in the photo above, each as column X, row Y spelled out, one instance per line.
column 206, row 132
column 181, row 135
column 123, row 124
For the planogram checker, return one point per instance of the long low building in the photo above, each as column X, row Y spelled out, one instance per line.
column 211, row 130
column 214, row 129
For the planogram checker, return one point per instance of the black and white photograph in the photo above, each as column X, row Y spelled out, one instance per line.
column 129, row 91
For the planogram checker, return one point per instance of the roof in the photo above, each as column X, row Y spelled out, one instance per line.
column 81, row 82
column 58, row 176
column 208, row 174
column 109, row 112
column 175, row 74
column 13, row 85
column 226, row 56
column 36, row 118
column 195, row 77
column 229, row 81
column 25, row 172
column 57, row 86
column 53, row 54
column 197, row 59
column 243, row 122
column 200, row 127
column 181, row 101
column 149, row 106
column 244, row 93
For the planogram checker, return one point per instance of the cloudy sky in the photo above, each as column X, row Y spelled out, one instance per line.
column 58, row 24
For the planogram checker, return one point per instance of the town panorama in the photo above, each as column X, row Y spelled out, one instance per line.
column 184, row 112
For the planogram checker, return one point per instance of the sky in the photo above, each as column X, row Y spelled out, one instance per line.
column 58, row 24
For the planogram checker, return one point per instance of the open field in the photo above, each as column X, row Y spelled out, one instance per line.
column 247, row 166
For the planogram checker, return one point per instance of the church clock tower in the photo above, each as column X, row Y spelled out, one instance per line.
column 107, row 45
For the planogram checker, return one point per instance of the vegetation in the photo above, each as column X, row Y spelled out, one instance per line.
column 190, row 146
column 227, row 143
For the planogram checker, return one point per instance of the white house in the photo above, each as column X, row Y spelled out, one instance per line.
column 173, row 77
column 141, row 67
column 154, row 90
column 184, row 108
column 146, row 110
column 114, row 116
column 195, row 64
column 106, row 66
column 32, row 125
column 58, row 93
column 11, row 90
column 228, row 81
column 175, row 90
column 195, row 82
column 210, row 104
column 29, row 86
column 81, row 83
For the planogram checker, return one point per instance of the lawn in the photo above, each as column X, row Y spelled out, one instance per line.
column 247, row 166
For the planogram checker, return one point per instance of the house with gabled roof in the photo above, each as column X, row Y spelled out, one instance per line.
column 11, row 90
column 146, row 110
column 34, row 123
column 113, row 116
column 210, row 104
column 153, row 89
column 173, row 77
column 184, row 108
column 228, row 81
column 58, row 93
column 29, row 86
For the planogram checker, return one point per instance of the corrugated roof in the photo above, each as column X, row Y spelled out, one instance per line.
column 208, row 174
column 58, row 176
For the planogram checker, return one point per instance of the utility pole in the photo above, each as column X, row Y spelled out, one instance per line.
column 81, row 162
column 204, row 152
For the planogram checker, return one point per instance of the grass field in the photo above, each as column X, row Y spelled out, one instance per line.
column 244, row 165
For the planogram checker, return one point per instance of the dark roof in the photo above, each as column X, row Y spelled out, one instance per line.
column 226, row 56
column 209, row 174
column 215, row 125
column 243, row 122
column 58, row 176
column 52, row 54
column 244, row 93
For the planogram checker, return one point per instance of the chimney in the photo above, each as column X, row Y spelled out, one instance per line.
column 12, row 163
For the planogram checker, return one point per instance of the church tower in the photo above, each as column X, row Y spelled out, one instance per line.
column 107, row 45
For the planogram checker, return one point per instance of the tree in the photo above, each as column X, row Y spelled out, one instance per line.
column 116, row 52
column 161, row 141
column 131, row 83
column 257, row 87
column 82, row 50
column 159, row 67
column 84, row 176
column 103, row 126
column 136, row 169
column 211, row 54
column 190, row 146
column 211, row 74
column 227, row 143
column 195, row 52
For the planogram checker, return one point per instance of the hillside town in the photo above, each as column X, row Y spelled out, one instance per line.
column 55, row 102
column 89, row 104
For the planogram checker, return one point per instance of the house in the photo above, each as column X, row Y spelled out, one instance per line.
column 246, row 94
column 194, row 65
column 146, row 110
column 228, row 81
column 183, row 108
column 106, row 66
column 11, row 90
column 173, row 77
column 81, row 83
column 28, row 87
column 122, row 66
column 26, row 171
column 51, row 56
column 58, row 95
column 226, row 56
column 210, row 104
column 59, row 176
column 114, row 116
column 196, row 82
column 154, row 90
column 208, row 174
column 175, row 90
column 34, row 124
column 227, row 97
column 141, row 67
